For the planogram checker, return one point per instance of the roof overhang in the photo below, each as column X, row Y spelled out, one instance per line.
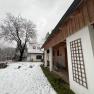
column 71, row 9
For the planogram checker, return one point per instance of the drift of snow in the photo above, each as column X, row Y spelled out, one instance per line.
column 26, row 79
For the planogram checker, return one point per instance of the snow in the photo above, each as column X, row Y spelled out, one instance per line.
column 24, row 80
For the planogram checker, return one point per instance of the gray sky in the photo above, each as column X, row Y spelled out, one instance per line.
column 44, row 13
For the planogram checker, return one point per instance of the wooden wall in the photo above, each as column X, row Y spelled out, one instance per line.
column 59, row 55
column 81, row 17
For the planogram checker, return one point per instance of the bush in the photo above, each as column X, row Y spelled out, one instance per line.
column 3, row 65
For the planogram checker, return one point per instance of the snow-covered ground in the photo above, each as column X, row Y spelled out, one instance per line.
column 24, row 78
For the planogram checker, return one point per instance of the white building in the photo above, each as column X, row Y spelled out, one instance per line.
column 70, row 47
column 35, row 54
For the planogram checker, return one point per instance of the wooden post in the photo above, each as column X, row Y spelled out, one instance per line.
column 51, row 58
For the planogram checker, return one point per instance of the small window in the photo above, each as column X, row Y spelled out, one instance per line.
column 93, row 25
column 53, row 53
column 34, row 47
column 58, row 52
column 38, row 48
column 47, row 51
column 38, row 57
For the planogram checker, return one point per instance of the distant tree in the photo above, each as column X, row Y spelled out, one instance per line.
column 19, row 30
column 47, row 35
column 7, row 53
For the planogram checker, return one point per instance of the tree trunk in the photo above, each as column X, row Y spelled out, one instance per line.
column 22, row 52
column 21, row 55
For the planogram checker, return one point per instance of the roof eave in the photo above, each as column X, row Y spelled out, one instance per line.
column 71, row 9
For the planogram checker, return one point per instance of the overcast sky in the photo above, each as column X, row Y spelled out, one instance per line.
column 44, row 13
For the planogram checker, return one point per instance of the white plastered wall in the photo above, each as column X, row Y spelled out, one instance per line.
column 45, row 58
column 32, row 57
column 91, row 29
column 51, row 58
column 87, row 37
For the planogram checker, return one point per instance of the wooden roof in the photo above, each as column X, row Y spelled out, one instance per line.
column 70, row 10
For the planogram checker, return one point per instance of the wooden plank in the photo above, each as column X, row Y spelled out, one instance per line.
column 90, row 6
column 85, row 13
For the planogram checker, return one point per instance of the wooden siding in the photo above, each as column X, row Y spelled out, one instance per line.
column 81, row 17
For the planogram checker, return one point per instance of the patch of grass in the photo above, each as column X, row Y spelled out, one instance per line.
column 57, row 83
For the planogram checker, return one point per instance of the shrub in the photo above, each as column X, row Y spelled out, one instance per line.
column 3, row 65
column 19, row 67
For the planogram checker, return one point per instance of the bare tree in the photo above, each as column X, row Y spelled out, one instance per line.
column 19, row 30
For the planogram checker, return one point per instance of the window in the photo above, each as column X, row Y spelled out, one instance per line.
column 58, row 52
column 38, row 48
column 38, row 57
column 34, row 47
column 53, row 53
column 47, row 51
column 78, row 67
column 93, row 25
